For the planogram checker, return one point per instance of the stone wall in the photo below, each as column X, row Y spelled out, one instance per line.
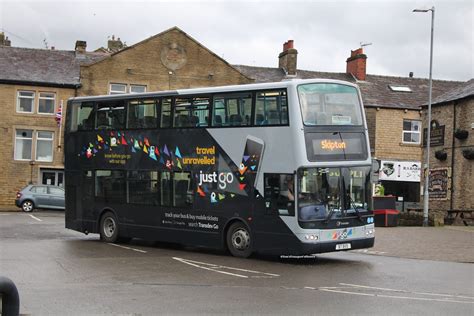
column 17, row 174
column 455, row 115
column 167, row 61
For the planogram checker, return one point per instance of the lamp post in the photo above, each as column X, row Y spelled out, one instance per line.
column 426, row 197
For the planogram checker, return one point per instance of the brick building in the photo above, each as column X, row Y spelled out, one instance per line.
column 35, row 79
column 451, row 184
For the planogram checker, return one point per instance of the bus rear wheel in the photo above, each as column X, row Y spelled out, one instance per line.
column 109, row 230
column 239, row 240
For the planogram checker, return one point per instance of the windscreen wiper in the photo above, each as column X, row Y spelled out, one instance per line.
column 329, row 215
column 359, row 216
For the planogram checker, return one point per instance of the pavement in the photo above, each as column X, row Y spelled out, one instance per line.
column 446, row 243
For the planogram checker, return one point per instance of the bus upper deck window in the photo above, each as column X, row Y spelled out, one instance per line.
column 82, row 117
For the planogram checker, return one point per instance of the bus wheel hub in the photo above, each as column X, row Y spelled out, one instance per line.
column 240, row 239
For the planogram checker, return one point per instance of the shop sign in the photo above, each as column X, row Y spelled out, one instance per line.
column 439, row 184
column 436, row 134
column 408, row 171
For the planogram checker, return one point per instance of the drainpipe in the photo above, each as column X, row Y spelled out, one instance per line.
column 452, row 156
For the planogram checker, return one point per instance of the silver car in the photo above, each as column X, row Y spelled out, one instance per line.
column 40, row 196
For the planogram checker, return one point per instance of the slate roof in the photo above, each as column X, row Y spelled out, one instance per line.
column 460, row 92
column 43, row 66
column 375, row 89
column 62, row 68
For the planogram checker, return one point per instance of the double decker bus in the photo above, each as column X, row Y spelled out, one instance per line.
column 281, row 168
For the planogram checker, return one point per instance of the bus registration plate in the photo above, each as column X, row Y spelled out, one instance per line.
column 343, row 246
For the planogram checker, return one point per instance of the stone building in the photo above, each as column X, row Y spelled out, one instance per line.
column 451, row 185
column 33, row 82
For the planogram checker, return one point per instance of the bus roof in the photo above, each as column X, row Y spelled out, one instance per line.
column 209, row 90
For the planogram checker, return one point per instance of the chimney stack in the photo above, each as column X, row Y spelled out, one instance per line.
column 288, row 58
column 357, row 64
column 81, row 46
column 114, row 45
column 4, row 41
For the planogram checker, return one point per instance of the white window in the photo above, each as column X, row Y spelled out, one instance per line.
column 23, row 144
column 25, row 102
column 411, row 131
column 44, row 146
column 118, row 88
column 46, row 102
column 137, row 88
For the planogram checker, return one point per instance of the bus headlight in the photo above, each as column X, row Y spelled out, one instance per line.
column 369, row 232
column 311, row 237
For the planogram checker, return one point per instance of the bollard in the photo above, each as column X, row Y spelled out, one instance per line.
column 10, row 298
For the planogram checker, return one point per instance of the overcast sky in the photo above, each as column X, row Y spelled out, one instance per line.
column 253, row 32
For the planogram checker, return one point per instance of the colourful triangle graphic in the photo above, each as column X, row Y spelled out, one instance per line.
column 242, row 171
column 146, row 142
column 253, row 167
column 242, row 186
column 177, row 153
column 179, row 165
column 221, row 197
column 145, row 149
column 124, row 142
column 200, row 192
column 246, row 158
column 100, row 139
column 165, row 150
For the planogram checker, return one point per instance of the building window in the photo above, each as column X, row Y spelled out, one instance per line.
column 137, row 88
column 26, row 100
column 23, row 144
column 46, row 103
column 44, row 146
column 411, row 131
column 118, row 88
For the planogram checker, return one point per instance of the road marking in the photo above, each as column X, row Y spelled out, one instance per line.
column 404, row 291
column 128, row 248
column 369, row 252
column 34, row 217
column 218, row 268
column 353, row 289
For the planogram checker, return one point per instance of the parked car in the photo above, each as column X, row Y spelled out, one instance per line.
column 40, row 196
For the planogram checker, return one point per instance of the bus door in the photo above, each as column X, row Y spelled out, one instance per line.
column 278, row 202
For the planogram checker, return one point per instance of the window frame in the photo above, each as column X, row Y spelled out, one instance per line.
column 50, row 140
column 411, row 131
column 46, row 98
column 115, row 92
column 23, row 138
column 32, row 98
column 137, row 85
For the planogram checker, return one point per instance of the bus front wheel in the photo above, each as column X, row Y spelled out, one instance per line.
column 109, row 228
column 239, row 240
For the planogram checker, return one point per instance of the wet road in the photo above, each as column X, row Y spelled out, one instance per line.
column 61, row 272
